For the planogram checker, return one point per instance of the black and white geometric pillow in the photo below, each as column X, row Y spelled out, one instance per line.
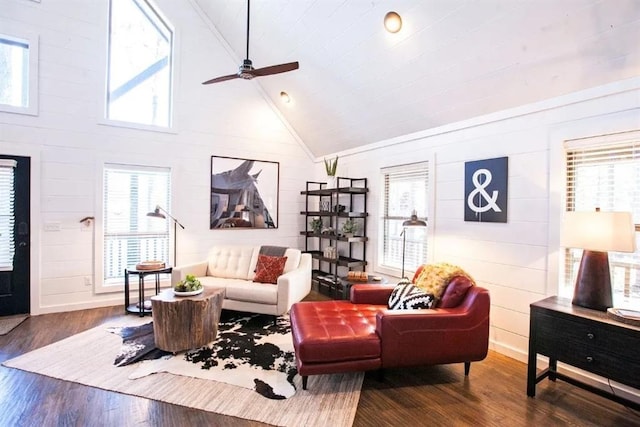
column 407, row 296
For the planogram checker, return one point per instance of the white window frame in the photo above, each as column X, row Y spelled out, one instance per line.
column 625, row 277
column 107, row 120
column 31, row 40
column 390, row 226
column 160, row 229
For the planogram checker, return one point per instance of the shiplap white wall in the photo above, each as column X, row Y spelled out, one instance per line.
column 69, row 142
column 518, row 260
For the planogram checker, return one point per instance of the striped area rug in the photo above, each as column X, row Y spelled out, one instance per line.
column 87, row 358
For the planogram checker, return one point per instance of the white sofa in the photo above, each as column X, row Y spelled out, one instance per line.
column 233, row 268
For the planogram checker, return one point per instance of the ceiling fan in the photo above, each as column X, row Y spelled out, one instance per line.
column 246, row 70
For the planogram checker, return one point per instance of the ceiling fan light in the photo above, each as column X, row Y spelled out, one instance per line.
column 392, row 22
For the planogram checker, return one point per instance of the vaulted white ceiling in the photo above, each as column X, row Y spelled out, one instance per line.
column 452, row 60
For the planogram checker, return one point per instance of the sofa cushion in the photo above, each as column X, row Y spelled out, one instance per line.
column 269, row 268
column 455, row 292
column 261, row 293
column 434, row 278
column 334, row 331
column 406, row 296
column 234, row 262
column 293, row 259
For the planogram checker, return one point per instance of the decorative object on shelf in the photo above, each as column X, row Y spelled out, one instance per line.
column 350, row 227
column 412, row 222
column 325, row 205
column 331, row 166
column 357, row 276
column 244, row 193
column 330, row 252
column 150, row 265
column 157, row 214
column 596, row 232
column 339, row 208
column 316, row 225
column 328, row 231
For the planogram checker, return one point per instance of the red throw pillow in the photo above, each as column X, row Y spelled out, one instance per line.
column 269, row 268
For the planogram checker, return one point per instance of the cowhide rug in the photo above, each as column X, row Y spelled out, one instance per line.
column 251, row 351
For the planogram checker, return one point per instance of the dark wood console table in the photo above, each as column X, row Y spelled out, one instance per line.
column 586, row 339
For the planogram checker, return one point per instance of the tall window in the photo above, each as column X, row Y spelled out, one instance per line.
column 606, row 176
column 405, row 190
column 140, row 64
column 18, row 75
column 7, row 216
column 130, row 236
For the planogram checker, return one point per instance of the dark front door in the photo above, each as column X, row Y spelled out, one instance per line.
column 14, row 279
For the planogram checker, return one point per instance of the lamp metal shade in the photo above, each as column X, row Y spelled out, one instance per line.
column 156, row 213
column 414, row 221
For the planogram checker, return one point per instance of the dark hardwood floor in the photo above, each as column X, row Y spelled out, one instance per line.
column 494, row 394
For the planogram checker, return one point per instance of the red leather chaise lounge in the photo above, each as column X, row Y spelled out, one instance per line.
column 364, row 334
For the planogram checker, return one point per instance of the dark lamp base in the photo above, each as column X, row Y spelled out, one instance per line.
column 593, row 283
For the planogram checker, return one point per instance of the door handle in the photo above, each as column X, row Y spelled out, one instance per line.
column 22, row 244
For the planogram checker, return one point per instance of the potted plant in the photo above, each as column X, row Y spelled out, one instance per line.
column 316, row 225
column 349, row 228
column 331, row 167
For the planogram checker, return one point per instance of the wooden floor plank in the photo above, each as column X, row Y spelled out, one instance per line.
column 494, row 394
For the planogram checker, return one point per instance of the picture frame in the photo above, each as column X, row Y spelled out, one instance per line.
column 486, row 187
column 244, row 193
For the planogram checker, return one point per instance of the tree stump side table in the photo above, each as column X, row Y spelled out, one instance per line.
column 184, row 323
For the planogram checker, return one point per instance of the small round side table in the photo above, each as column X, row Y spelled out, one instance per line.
column 140, row 307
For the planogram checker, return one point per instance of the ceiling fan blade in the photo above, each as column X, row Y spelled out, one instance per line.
column 275, row 69
column 221, row 79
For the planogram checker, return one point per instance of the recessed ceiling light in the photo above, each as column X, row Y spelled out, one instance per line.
column 284, row 96
column 392, row 22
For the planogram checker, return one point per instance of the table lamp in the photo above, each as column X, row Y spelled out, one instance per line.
column 412, row 222
column 596, row 232
column 157, row 214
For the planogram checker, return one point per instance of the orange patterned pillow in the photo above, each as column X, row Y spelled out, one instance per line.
column 269, row 268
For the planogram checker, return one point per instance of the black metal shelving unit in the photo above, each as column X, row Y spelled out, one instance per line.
column 325, row 203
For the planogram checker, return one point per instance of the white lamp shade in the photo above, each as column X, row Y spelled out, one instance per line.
column 599, row 231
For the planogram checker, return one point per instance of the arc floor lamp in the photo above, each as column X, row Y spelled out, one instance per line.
column 412, row 222
column 156, row 213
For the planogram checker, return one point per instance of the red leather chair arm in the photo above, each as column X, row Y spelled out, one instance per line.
column 443, row 335
column 371, row 294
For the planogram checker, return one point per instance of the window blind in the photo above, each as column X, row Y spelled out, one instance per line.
column 7, row 214
column 605, row 176
column 130, row 236
column 405, row 190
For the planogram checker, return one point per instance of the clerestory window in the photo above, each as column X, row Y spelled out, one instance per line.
column 139, row 87
column 18, row 74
